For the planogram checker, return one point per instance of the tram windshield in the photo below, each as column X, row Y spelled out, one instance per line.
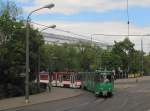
column 103, row 78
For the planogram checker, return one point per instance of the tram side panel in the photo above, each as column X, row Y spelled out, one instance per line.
column 94, row 82
column 66, row 79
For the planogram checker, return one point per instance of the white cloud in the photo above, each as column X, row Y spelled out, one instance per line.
column 75, row 6
column 22, row 1
column 88, row 28
column 140, row 2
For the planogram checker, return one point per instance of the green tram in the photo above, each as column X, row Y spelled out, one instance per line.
column 101, row 83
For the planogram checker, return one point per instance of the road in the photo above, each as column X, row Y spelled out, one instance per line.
column 134, row 98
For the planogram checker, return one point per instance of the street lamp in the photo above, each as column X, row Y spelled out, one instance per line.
column 52, row 27
column 27, row 51
column 39, row 58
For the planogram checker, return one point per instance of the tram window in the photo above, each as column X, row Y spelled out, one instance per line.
column 66, row 77
column 98, row 78
column 109, row 78
column 60, row 78
column 106, row 78
column 101, row 78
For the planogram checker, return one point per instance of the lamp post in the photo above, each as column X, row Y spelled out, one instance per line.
column 27, row 51
column 39, row 57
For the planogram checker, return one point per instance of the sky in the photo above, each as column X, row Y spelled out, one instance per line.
column 88, row 17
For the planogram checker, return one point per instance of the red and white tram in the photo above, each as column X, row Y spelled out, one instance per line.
column 66, row 79
column 61, row 79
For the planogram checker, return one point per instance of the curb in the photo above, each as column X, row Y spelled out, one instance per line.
column 30, row 104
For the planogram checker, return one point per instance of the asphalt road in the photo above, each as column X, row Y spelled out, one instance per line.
column 136, row 98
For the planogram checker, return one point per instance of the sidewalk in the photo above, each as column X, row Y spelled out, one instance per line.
column 56, row 94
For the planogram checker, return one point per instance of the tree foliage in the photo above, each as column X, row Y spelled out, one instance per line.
column 12, row 52
column 76, row 57
column 147, row 64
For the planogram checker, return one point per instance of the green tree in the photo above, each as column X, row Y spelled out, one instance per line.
column 126, row 55
column 12, row 53
column 147, row 64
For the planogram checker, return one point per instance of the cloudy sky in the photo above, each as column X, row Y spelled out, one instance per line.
column 94, row 16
